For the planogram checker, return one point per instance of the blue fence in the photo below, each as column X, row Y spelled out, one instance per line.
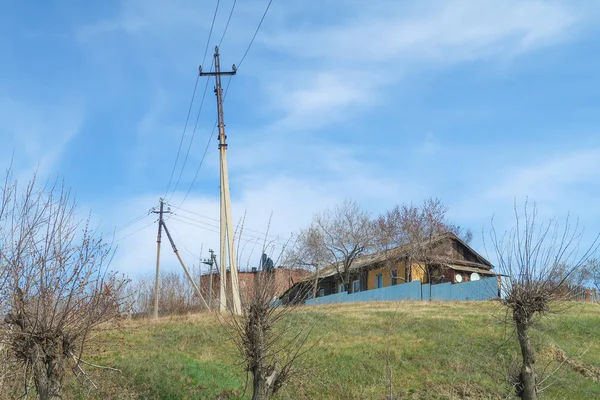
column 482, row 289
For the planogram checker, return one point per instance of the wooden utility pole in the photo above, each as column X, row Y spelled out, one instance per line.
column 160, row 213
column 226, row 228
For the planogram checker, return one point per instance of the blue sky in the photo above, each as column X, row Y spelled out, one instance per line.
column 477, row 102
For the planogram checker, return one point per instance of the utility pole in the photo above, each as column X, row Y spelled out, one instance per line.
column 226, row 228
column 198, row 292
column 160, row 213
column 212, row 261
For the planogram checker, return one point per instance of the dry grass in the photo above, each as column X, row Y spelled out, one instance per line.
column 438, row 351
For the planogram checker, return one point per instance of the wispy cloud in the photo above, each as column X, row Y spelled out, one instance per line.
column 442, row 31
column 38, row 136
column 347, row 65
column 552, row 178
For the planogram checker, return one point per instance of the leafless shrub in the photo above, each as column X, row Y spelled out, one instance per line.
column 176, row 295
column 269, row 343
column 56, row 286
column 539, row 258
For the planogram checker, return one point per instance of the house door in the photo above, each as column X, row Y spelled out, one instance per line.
column 379, row 281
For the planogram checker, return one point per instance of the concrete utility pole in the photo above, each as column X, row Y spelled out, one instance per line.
column 210, row 262
column 160, row 213
column 226, row 228
column 198, row 292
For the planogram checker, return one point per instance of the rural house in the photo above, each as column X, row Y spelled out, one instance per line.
column 444, row 258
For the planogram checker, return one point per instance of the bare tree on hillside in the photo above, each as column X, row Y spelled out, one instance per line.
column 592, row 273
column 416, row 228
column 539, row 258
column 268, row 342
column 309, row 251
column 347, row 233
column 57, row 287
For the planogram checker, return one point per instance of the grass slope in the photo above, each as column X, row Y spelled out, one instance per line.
column 427, row 351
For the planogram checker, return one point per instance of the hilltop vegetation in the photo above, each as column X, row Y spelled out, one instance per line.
column 427, row 351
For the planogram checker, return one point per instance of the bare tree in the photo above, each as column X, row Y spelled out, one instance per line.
column 539, row 258
column 347, row 233
column 57, row 287
column 416, row 229
column 309, row 251
column 269, row 343
column 592, row 273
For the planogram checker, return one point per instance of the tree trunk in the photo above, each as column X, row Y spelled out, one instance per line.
column 47, row 373
column 527, row 377
column 315, row 286
column 259, row 387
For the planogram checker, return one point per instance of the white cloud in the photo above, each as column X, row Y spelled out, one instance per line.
column 552, row 178
column 354, row 60
column 37, row 136
column 139, row 17
column 559, row 184
column 313, row 99
column 442, row 31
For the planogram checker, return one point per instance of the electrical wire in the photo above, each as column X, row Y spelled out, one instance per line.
column 216, row 220
column 192, row 102
column 192, row 139
column 211, row 31
column 134, row 232
column 246, row 236
column 212, row 134
column 125, row 225
column 276, row 239
column 228, row 21
column 255, row 33
column 180, row 244
column 182, row 136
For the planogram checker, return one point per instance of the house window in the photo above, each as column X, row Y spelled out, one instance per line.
column 341, row 288
column 356, row 286
column 395, row 276
column 379, row 281
column 321, row 292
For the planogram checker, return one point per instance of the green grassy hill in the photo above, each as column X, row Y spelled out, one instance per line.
column 426, row 351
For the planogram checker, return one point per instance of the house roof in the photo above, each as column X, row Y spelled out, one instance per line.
column 470, row 269
column 400, row 252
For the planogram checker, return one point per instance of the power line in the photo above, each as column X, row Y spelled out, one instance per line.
column 192, row 102
column 191, row 140
column 244, row 235
column 212, row 134
column 182, row 136
column 211, row 31
column 243, row 232
column 216, row 220
column 134, row 232
column 227, row 24
column 255, row 33
column 125, row 225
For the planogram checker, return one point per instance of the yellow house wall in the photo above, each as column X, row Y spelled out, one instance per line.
column 419, row 273
column 387, row 275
